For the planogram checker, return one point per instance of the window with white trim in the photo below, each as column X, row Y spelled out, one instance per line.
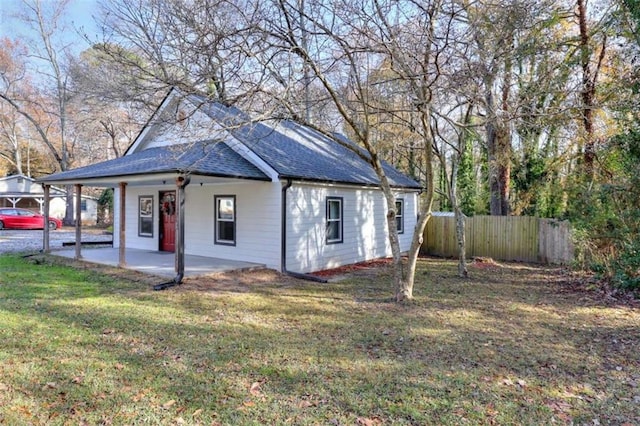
column 225, row 219
column 334, row 220
column 400, row 215
column 145, row 216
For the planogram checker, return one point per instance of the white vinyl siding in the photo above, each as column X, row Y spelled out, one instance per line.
column 133, row 240
column 365, row 231
column 258, row 216
column 257, row 221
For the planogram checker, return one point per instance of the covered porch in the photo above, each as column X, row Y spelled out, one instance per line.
column 162, row 264
column 160, row 170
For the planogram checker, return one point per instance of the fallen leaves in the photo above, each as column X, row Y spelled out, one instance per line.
column 254, row 389
column 519, row 382
column 475, row 354
column 167, row 405
column 369, row 421
column 50, row 385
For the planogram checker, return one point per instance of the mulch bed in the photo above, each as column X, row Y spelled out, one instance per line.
column 356, row 267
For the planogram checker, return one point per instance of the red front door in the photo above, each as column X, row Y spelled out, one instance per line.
column 168, row 221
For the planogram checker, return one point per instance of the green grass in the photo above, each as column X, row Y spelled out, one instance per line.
column 511, row 345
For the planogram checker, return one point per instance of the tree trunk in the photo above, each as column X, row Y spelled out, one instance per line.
column 499, row 159
column 423, row 217
column 588, row 91
column 68, row 213
column 462, row 242
column 504, row 168
column 399, row 282
column 495, row 203
column 459, row 216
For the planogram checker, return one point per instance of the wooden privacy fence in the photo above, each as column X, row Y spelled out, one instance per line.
column 518, row 238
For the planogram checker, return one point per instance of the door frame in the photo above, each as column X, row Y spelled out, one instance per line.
column 161, row 215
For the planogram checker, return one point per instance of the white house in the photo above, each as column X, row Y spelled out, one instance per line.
column 270, row 192
column 24, row 192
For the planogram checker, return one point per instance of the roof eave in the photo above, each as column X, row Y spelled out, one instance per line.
column 416, row 188
column 159, row 178
column 109, row 181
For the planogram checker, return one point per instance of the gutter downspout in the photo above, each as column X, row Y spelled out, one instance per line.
column 283, row 245
column 181, row 183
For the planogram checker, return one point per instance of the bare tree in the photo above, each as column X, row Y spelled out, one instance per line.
column 347, row 42
column 48, row 113
column 454, row 137
column 12, row 79
column 199, row 46
column 107, row 116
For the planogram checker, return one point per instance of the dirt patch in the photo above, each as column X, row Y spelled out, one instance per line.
column 240, row 281
column 361, row 268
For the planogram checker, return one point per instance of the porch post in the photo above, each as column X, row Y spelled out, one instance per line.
column 45, row 230
column 122, row 262
column 78, row 209
column 179, row 252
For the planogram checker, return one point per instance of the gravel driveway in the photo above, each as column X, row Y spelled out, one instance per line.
column 31, row 240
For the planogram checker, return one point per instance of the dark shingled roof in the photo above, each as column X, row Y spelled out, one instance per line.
column 292, row 150
column 211, row 158
column 299, row 152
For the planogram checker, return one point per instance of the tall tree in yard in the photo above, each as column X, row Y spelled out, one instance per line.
column 51, row 120
column 495, row 26
column 592, row 54
column 451, row 153
column 357, row 39
column 267, row 56
column 111, row 106
column 12, row 81
column 507, row 35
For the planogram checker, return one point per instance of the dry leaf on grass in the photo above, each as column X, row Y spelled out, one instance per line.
column 168, row 404
column 372, row 421
column 255, row 389
column 305, row 404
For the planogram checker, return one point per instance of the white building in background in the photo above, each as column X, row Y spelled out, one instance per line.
column 24, row 192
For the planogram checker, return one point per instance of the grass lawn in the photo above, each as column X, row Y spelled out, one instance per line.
column 514, row 344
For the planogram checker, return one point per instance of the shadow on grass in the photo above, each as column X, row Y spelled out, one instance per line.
column 501, row 348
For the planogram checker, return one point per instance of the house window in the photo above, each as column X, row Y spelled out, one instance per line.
column 83, row 205
column 225, row 226
column 145, row 216
column 400, row 215
column 334, row 220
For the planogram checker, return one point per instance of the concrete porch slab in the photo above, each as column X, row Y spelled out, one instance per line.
column 158, row 263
